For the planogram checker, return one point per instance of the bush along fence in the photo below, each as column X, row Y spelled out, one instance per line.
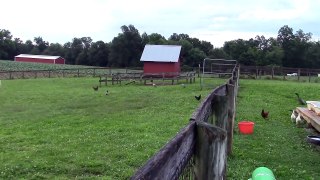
column 199, row 150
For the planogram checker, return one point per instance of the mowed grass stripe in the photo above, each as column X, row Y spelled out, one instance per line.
column 62, row 128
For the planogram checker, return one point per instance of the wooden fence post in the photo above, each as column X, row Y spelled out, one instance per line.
column 272, row 72
column 212, row 141
column 299, row 74
column 209, row 156
column 78, row 72
column 309, row 74
column 49, row 73
column 231, row 116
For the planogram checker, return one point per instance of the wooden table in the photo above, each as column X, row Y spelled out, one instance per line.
column 310, row 116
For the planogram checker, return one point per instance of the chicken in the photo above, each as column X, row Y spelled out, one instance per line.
column 107, row 92
column 154, row 85
column 300, row 121
column 198, row 97
column 300, row 100
column 95, row 88
column 293, row 116
column 264, row 114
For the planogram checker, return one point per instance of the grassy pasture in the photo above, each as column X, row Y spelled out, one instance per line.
column 61, row 128
column 276, row 143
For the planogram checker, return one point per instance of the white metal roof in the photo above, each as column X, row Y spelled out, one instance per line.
column 161, row 53
column 38, row 56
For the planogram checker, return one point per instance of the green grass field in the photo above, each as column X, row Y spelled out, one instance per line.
column 276, row 143
column 61, row 128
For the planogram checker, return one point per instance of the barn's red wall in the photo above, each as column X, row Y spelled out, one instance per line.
column 159, row 67
column 60, row 61
column 37, row 60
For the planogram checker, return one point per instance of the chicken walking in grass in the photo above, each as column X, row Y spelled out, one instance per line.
column 300, row 100
column 198, row 97
column 107, row 92
column 264, row 114
column 95, row 88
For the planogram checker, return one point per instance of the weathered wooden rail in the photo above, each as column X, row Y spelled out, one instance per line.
column 117, row 78
column 199, row 151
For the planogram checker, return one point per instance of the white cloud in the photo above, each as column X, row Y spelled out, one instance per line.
column 60, row 20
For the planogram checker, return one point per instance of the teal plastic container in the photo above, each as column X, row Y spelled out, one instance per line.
column 262, row 173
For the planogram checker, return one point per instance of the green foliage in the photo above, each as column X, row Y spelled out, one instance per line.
column 62, row 129
column 276, row 143
column 289, row 49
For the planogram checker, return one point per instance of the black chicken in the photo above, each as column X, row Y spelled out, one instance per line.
column 300, row 100
column 264, row 114
column 95, row 88
column 198, row 97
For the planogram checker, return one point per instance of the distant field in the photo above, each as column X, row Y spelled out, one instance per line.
column 60, row 128
column 26, row 66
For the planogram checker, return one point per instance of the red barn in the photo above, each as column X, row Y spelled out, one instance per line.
column 39, row 59
column 161, row 58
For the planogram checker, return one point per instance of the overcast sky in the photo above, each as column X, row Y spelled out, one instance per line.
column 216, row 21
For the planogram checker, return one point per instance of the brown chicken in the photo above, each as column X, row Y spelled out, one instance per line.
column 264, row 114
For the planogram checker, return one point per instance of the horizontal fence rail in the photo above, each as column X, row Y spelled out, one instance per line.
column 276, row 72
column 200, row 149
column 70, row 72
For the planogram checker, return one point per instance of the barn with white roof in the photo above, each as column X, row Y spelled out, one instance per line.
column 39, row 59
column 161, row 59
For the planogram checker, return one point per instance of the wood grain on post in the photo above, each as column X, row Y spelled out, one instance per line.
column 231, row 116
column 209, row 157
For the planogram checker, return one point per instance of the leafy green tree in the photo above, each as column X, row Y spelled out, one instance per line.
column 156, row 39
column 295, row 46
column 7, row 46
column 313, row 55
column 195, row 57
column 126, row 48
column 41, row 45
column 98, row 54
column 55, row 49
column 218, row 53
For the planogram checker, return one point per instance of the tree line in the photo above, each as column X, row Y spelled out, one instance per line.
column 288, row 49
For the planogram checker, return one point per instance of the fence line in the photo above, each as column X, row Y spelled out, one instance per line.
column 200, row 149
column 284, row 72
column 73, row 72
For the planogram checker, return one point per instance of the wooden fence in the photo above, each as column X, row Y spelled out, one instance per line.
column 144, row 77
column 200, row 149
column 53, row 73
column 283, row 72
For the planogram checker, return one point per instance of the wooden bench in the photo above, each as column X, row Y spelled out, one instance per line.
column 310, row 116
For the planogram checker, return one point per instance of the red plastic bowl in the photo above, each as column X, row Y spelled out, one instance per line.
column 246, row 127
